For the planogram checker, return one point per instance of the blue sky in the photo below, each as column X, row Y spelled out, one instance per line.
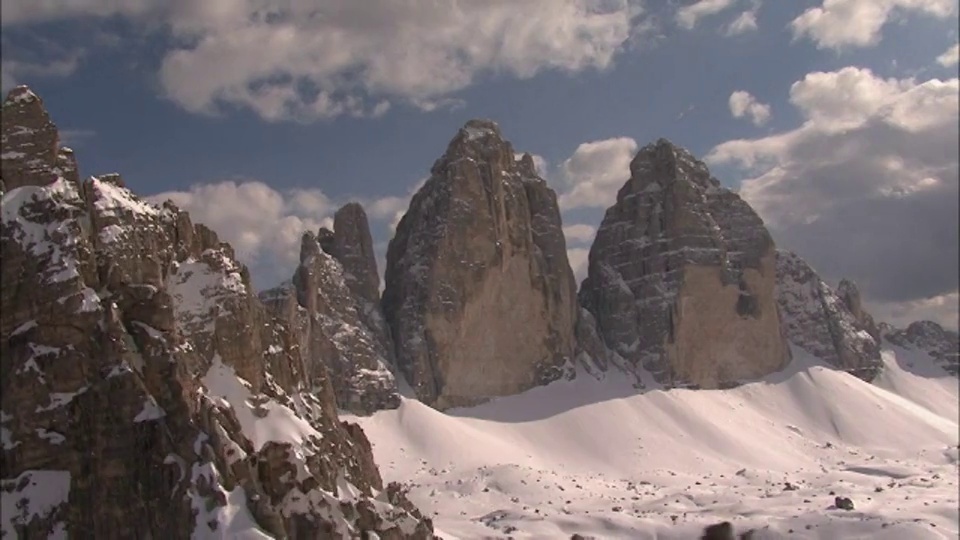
column 215, row 105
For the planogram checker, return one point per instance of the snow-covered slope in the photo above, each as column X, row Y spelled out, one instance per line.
column 598, row 458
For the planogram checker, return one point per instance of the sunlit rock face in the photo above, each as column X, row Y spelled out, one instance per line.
column 479, row 293
column 682, row 275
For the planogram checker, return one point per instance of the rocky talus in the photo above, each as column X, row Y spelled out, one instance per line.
column 146, row 392
column 828, row 324
column 927, row 336
column 681, row 277
column 479, row 297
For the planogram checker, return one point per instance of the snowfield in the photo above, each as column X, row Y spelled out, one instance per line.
column 602, row 459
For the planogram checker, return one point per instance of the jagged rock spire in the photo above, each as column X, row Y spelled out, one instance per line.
column 32, row 154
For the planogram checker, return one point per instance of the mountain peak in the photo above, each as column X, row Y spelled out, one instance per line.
column 661, row 164
column 32, row 155
column 21, row 94
column 478, row 128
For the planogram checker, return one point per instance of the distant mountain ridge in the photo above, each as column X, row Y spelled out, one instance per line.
column 147, row 390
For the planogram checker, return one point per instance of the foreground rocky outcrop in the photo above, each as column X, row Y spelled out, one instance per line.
column 929, row 337
column 146, row 392
column 828, row 324
column 682, row 275
column 479, row 295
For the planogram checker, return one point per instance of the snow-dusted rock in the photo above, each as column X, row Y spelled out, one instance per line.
column 939, row 343
column 31, row 155
column 351, row 245
column 145, row 389
column 479, row 293
column 829, row 326
column 332, row 327
column 681, row 276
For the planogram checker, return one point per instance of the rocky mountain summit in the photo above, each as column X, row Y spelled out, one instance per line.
column 146, row 392
column 480, row 297
column 682, row 275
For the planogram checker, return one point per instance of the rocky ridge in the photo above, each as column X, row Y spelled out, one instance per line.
column 339, row 332
column 930, row 338
column 479, row 297
column 828, row 324
column 681, row 277
column 146, row 391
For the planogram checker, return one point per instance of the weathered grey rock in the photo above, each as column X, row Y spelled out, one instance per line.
column 592, row 353
column 681, row 276
column 719, row 531
column 351, row 244
column 353, row 247
column 826, row 325
column 135, row 363
column 927, row 336
column 32, row 154
column 332, row 329
column 849, row 293
column 479, row 293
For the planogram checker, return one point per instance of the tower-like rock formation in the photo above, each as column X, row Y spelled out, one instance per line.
column 32, row 154
column 479, row 293
column 339, row 331
column 682, row 274
column 351, row 244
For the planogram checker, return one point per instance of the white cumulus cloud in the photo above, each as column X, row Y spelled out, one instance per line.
column 743, row 104
column 839, row 23
column 745, row 22
column 866, row 186
column 950, row 57
column 687, row 16
column 263, row 225
column 312, row 59
column 579, row 233
column 579, row 262
column 594, row 173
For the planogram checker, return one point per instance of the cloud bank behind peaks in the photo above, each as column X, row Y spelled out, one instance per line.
column 873, row 168
column 591, row 176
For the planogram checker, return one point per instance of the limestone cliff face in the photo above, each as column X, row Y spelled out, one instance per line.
column 145, row 390
column 337, row 331
column 479, row 293
column 682, row 274
column 828, row 324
